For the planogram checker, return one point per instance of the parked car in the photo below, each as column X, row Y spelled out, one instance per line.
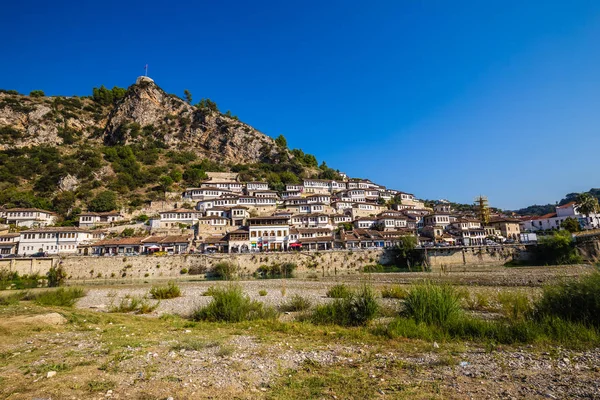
column 40, row 254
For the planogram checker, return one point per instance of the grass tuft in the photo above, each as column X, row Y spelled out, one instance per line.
column 572, row 300
column 230, row 304
column 433, row 303
column 170, row 291
column 340, row 291
column 296, row 303
column 394, row 292
column 353, row 310
column 135, row 304
column 63, row 297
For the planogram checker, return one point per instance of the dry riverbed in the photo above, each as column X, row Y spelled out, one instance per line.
column 91, row 353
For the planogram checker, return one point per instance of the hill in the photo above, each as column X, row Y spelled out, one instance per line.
column 550, row 208
column 61, row 153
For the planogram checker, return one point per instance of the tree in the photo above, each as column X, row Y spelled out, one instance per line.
column 571, row 225
column 281, row 142
column 63, row 202
column 165, row 183
column 207, row 105
column 557, row 249
column 104, row 201
column 37, row 93
column 188, row 96
column 587, row 204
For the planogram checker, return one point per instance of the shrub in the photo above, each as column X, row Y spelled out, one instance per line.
column 480, row 301
column 353, row 310
column 63, row 297
column 136, row 304
column 516, row 306
column 56, row 276
column 394, row 292
column 340, row 291
column 296, row 303
column 225, row 270
column 276, row 270
column 230, row 304
column 432, row 303
column 182, row 272
column 11, row 299
column 373, row 268
column 165, row 292
column 262, row 292
column 572, row 300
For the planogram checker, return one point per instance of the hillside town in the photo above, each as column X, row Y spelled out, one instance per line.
column 225, row 215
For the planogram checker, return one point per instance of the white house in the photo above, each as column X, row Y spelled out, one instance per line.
column 269, row 233
column 59, row 240
column 91, row 219
column 30, row 217
column 203, row 193
column 9, row 243
column 176, row 218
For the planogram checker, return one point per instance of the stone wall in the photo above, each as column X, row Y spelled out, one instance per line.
column 440, row 258
column 325, row 263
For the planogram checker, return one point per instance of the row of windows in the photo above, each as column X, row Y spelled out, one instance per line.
column 268, row 233
column 67, row 235
column 22, row 214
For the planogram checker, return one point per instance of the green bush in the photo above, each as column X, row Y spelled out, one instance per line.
column 356, row 309
column 515, row 306
column 56, row 276
column 394, row 292
column 63, row 297
column 432, row 303
column 136, row 304
column 572, row 300
column 11, row 299
column 230, row 304
column 276, row 270
column 262, row 292
column 373, row 268
column 296, row 303
column 165, row 292
column 225, row 270
column 340, row 291
column 557, row 249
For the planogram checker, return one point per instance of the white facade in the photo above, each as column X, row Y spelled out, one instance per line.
column 30, row 217
column 62, row 240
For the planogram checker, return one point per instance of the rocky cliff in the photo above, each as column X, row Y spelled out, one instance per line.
column 145, row 112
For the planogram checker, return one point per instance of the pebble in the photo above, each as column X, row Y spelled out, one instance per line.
column 50, row 374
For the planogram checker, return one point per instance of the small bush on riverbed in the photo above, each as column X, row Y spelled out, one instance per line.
column 355, row 309
column 572, row 300
column 230, row 304
column 339, row 292
column 225, row 270
column 296, row 303
column 135, row 304
column 394, row 292
column 63, row 297
column 166, row 292
column 433, row 303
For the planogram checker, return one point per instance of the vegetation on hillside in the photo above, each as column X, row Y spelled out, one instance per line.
column 134, row 173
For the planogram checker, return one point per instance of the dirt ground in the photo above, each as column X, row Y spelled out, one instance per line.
column 86, row 352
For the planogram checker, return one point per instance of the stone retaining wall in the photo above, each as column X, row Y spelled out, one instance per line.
column 325, row 263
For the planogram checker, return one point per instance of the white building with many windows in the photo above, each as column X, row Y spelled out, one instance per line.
column 30, row 217
column 59, row 240
column 269, row 233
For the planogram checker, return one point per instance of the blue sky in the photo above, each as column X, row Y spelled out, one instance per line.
column 444, row 99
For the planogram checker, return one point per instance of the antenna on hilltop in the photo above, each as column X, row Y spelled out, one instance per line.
column 146, row 70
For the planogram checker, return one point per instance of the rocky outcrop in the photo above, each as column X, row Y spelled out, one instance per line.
column 145, row 112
